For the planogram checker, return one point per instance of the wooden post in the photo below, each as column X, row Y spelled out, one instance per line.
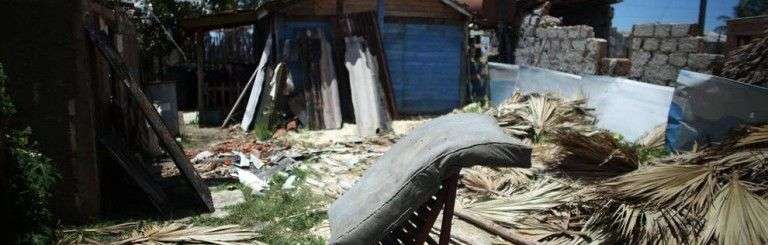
column 702, row 16
column 380, row 12
column 200, row 74
column 445, row 227
column 339, row 8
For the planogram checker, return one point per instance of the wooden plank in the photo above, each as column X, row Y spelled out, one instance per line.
column 239, row 99
column 169, row 144
column 449, row 186
column 200, row 74
column 117, row 149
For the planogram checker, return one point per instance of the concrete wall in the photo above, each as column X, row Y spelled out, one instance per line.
column 659, row 51
column 574, row 49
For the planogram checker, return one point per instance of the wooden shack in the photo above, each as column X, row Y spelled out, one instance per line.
column 78, row 107
column 743, row 30
column 424, row 43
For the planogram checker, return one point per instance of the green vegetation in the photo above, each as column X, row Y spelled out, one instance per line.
column 281, row 216
column 29, row 180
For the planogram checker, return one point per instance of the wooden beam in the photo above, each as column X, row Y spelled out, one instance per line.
column 153, row 117
column 200, row 73
column 117, row 149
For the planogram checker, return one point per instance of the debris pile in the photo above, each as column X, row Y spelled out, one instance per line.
column 588, row 186
column 749, row 63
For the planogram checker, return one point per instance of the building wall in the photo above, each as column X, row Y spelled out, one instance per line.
column 659, row 51
column 44, row 53
column 574, row 49
column 392, row 8
column 425, row 63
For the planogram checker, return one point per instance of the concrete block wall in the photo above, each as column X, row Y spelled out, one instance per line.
column 659, row 51
column 573, row 49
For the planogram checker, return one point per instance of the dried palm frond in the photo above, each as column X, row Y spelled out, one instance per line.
column 755, row 135
column 490, row 181
column 547, row 155
column 542, row 114
column 542, row 196
column 749, row 63
column 633, row 225
column 655, row 138
column 737, row 216
column 680, row 187
column 482, row 179
column 181, row 233
column 596, row 154
column 517, row 176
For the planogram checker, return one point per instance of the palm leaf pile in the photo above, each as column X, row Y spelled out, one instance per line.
column 177, row 233
column 749, row 63
column 536, row 116
column 713, row 195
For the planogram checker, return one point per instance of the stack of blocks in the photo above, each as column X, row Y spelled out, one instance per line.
column 572, row 49
column 659, row 51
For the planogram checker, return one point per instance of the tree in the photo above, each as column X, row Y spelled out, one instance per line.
column 747, row 8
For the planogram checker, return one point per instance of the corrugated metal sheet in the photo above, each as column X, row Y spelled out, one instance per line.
column 289, row 30
column 425, row 64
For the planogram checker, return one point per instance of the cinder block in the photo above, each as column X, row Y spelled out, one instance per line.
column 643, row 30
column 637, row 43
column 579, row 44
column 684, row 30
column 668, row 45
column 640, row 58
column 659, row 59
column 678, row 59
column 651, row 44
column 662, row 30
column 691, row 44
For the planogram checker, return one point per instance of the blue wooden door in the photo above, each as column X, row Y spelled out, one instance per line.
column 425, row 65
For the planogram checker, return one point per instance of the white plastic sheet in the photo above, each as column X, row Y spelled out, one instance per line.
column 624, row 106
column 706, row 108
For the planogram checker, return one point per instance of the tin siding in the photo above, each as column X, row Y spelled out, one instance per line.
column 425, row 65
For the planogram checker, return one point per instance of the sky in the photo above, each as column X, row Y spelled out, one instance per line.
column 630, row 12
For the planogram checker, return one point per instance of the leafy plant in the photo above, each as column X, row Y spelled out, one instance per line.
column 30, row 178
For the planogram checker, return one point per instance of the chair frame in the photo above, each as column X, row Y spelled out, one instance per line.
column 417, row 228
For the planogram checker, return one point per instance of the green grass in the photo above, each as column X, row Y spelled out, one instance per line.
column 281, row 216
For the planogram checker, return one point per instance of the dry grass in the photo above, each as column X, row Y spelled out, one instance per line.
column 709, row 195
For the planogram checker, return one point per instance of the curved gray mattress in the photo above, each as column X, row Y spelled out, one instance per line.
column 412, row 171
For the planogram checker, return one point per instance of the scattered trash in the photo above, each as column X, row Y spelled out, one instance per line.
column 201, row 156
column 251, row 181
column 289, row 183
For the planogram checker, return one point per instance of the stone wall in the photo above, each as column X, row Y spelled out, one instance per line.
column 573, row 49
column 659, row 51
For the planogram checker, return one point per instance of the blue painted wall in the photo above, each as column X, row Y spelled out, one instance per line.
column 425, row 64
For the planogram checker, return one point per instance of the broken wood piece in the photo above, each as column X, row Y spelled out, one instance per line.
column 240, row 98
column 258, row 85
column 169, row 144
column 495, row 229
